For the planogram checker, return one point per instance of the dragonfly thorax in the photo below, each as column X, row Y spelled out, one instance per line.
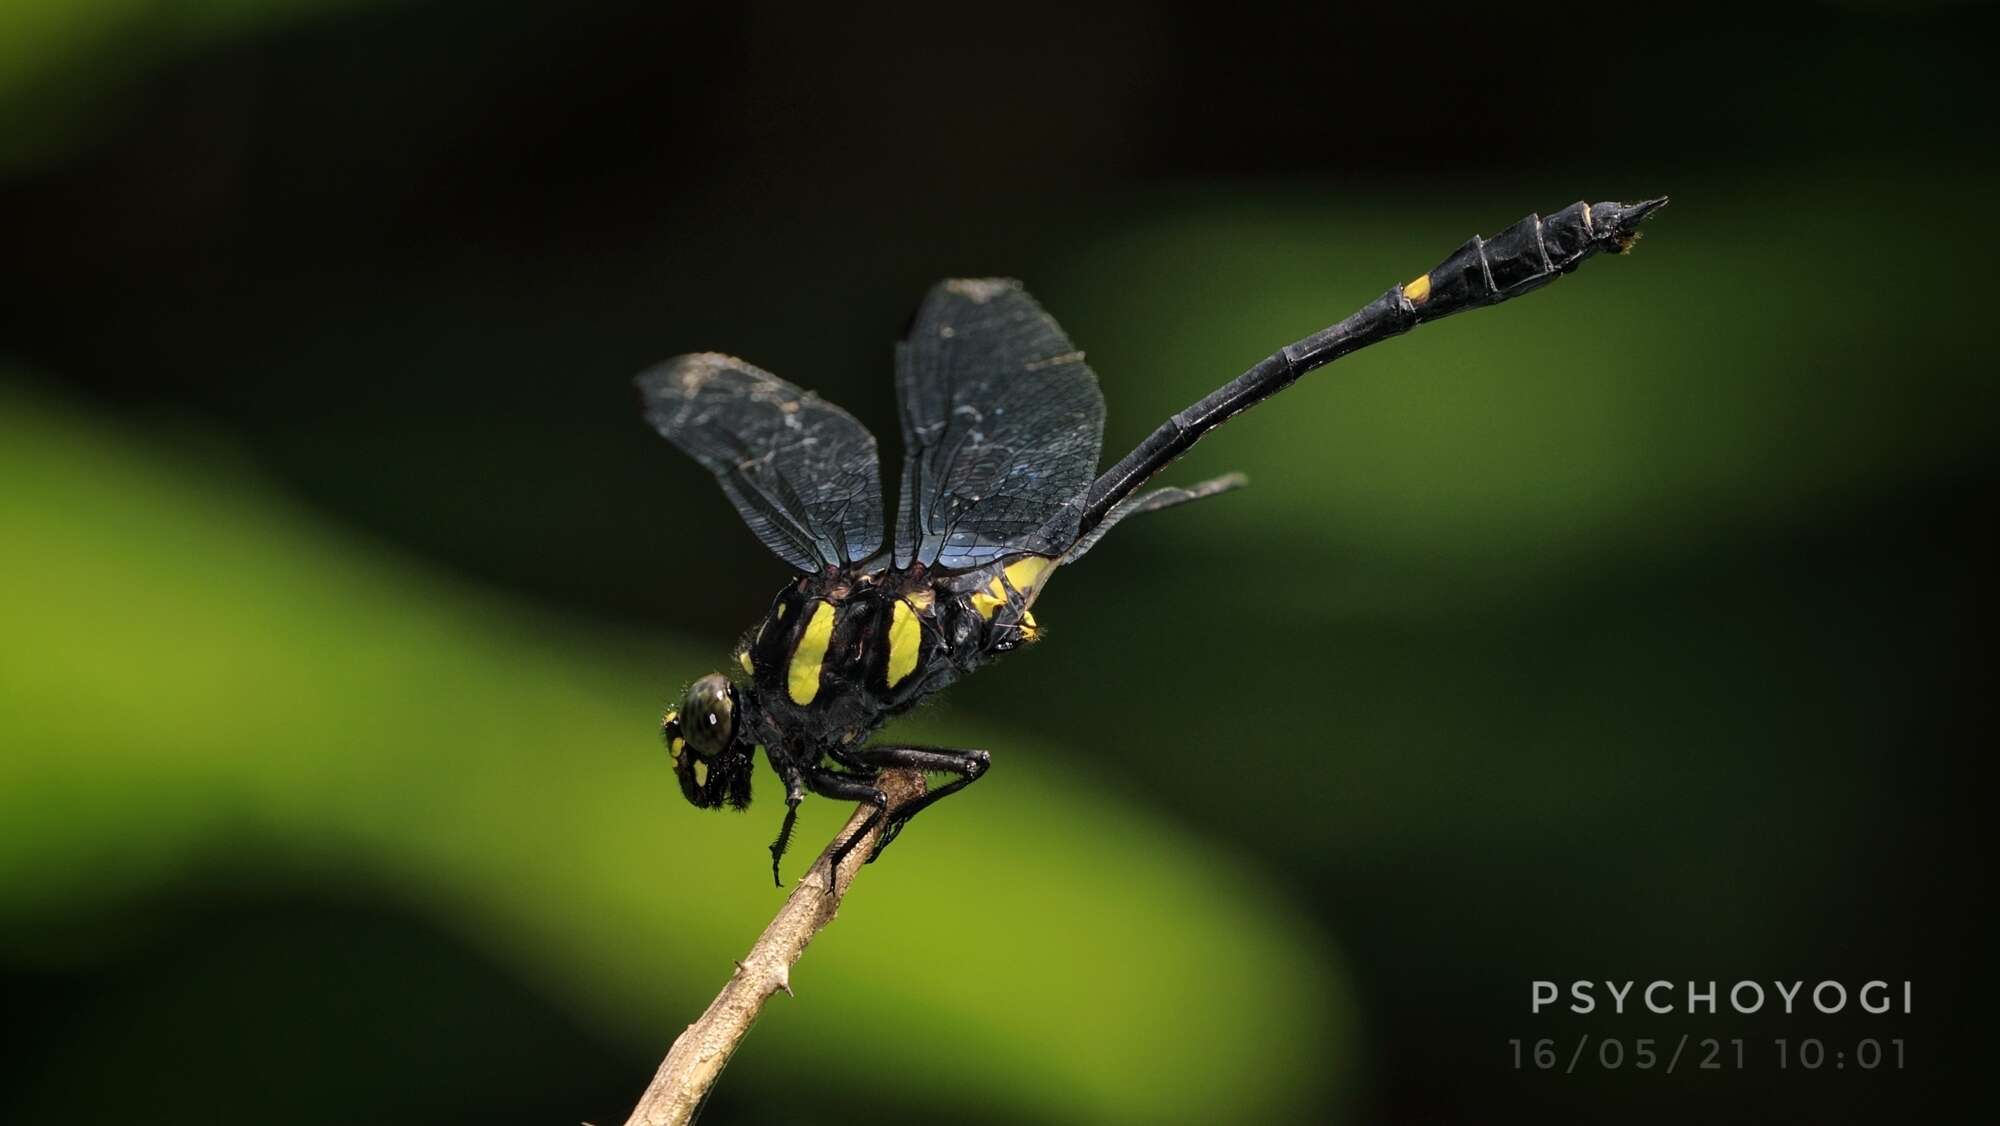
column 838, row 653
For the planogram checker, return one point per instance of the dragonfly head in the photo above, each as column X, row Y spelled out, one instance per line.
column 710, row 747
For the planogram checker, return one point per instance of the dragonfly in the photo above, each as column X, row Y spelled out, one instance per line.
column 1002, row 426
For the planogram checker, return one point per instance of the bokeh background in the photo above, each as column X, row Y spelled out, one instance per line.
column 1627, row 632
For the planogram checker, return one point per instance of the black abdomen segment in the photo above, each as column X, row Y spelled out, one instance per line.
column 1525, row 256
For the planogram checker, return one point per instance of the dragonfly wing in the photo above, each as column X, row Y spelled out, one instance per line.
column 1152, row 501
column 1002, row 424
column 802, row 472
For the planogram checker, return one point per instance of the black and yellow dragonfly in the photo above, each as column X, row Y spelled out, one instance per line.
column 1002, row 423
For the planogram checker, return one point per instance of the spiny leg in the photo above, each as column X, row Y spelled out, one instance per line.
column 968, row 765
column 847, row 787
column 795, row 792
column 784, row 840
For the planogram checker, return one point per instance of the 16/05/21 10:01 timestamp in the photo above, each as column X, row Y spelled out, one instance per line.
column 1690, row 1053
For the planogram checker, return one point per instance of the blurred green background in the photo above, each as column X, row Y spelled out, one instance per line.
column 1629, row 631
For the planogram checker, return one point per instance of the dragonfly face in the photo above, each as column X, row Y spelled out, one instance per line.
column 1002, row 425
column 712, row 753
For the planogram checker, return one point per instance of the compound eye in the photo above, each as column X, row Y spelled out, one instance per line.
column 708, row 717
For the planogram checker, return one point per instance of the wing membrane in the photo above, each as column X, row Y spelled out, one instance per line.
column 1002, row 422
column 802, row 472
column 1152, row 501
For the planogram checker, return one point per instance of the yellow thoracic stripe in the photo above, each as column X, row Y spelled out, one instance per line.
column 802, row 679
column 743, row 659
column 906, row 642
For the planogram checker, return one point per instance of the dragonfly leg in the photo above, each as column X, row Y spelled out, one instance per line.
column 968, row 765
column 795, row 792
column 847, row 787
column 784, row 840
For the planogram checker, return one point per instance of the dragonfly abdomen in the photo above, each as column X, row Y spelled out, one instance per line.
column 1524, row 257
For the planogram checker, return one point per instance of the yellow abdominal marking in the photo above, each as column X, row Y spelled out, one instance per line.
column 988, row 603
column 1027, row 575
column 1418, row 291
column 906, row 642
column 802, row 679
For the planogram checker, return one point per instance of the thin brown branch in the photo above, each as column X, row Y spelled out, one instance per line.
column 699, row 1055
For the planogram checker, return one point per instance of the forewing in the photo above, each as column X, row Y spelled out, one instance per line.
column 1002, row 422
column 801, row 471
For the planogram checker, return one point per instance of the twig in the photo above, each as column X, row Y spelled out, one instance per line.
column 699, row 1055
